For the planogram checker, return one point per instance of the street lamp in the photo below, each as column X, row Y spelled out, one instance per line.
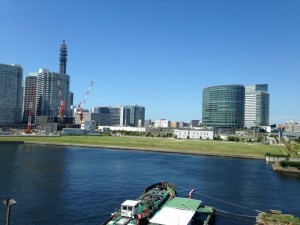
column 8, row 202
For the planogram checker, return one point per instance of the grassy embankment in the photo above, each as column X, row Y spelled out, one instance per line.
column 246, row 150
column 277, row 219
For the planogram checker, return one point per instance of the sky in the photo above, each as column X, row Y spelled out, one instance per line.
column 160, row 54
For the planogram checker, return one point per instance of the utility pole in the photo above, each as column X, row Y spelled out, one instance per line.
column 8, row 203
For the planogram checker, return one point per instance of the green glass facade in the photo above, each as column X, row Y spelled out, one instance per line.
column 223, row 106
column 263, row 109
column 137, row 113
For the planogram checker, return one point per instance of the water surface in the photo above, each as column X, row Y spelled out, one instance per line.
column 71, row 185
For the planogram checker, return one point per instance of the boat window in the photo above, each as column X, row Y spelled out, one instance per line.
column 124, row 207
column 129, row 208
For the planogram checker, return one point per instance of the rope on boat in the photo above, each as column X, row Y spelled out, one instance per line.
column 234, row 214
column 227, row 215
column 230, row 203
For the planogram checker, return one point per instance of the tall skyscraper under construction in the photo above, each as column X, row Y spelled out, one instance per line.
column 51, row 97
column 53, row 88
column 63, row 58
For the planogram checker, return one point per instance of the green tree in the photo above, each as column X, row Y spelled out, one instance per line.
column 233, row 138
column 217, row 137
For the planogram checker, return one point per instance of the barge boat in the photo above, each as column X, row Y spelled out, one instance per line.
column 159, row 205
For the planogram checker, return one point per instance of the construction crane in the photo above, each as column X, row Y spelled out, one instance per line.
column 28, row 129
column 82, row 102
column 62, row 102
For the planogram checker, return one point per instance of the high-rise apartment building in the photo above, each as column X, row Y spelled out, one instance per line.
column 256, row 105
column 29, row 97
column 10, row 94
column 50, row 86
column 223, row 106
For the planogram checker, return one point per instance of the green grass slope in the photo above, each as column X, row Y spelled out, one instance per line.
column 221, row 148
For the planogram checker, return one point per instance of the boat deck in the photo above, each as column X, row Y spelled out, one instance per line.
column 183, row 211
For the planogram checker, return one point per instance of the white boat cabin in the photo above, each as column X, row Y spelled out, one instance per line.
column 129, row 208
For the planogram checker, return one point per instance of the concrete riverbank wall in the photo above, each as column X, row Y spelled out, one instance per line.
column 274, row 159
column 287, row 169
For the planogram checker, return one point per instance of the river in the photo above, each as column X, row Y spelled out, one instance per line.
column 72, row 185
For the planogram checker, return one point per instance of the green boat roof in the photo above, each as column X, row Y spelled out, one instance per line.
column 184, row 203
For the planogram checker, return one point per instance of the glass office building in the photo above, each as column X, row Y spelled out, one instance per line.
column 223, row 106
column 108, row 116
column 137, row 115
column 257, row 103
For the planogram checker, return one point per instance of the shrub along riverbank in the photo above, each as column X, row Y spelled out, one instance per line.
column 220, row 148
column 290, row 164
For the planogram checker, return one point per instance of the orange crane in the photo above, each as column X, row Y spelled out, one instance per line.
column 82, row 102
column 28, row 129
column 62, row 102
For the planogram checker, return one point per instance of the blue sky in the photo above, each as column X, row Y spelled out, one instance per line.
column 160, row 53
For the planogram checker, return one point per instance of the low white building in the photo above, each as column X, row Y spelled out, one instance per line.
column 185, row 133
column 162, row 123
column 292, row 126
column 267, row 128
column 73, row 131
column 112, row 128
column 89, row 126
